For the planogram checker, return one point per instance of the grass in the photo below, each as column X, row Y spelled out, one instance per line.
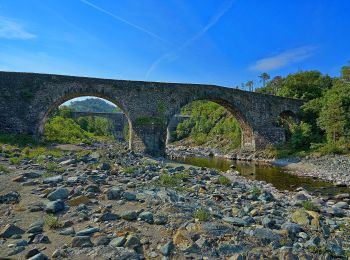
column 222, row 180
column 53, row 222
column 16, row 139
column 167, row 180
column 309, row 205
column 201, row 215
column 54, row 168
column 255, row 191
column 129, row 169
column 4, row 169
column 15, row 160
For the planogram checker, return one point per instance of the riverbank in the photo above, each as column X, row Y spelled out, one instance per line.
column 106, row 202
column 330, row 168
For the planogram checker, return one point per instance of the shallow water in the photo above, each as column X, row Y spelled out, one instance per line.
column 277, row 176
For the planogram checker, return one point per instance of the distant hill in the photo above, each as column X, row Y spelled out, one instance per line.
column 93, row 105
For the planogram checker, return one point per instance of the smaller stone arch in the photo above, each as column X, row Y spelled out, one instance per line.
column 285, row 120
column 45, row 115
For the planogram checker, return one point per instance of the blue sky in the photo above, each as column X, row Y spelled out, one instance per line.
column 197, row 41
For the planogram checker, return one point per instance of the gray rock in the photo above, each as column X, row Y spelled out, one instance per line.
column 82, row 241
column 68, row 231
column 53, row 180
column 129, row 196
column 235, row 221
column 129, row 215
column 16, row 250
column 268, row 223
column 9, row 230
column 12, row 197
column 292, row 228
column 54, row 206
column 36, row 227
column 118, row 241
column 132, row 241
column 147, row 217
column 108, row 216
column 32, row 252
column 88, row 231
column 342, row 205
column 166, row 249
column 39, row 256
column 102, row 241
column 266, row 196
column 58, row 194
column 109, row 252
column 114, row 193
column 265, row 234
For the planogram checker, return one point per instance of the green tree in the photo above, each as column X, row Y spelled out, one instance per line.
column 305, row 85
column 250, row 85
column 345, row 72
column 264, row 78
column 334, row 116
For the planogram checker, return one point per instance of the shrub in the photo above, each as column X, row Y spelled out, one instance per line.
column 201, row 215
column 129, row 169
column 53, row 222
column 309, row 205
column 255, row 191
column 4, row 169
column 168, row 180
column 15, row 160
column 224, row 180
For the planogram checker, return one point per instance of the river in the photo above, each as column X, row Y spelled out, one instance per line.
column 279, row 177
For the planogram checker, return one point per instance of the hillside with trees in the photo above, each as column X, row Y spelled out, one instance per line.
column 93, row 105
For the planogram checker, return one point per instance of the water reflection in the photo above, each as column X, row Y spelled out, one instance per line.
column 277, row 176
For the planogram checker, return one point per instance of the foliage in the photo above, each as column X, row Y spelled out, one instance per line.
column 54, row 168
column 209, row 123
column 224, row 180
column 4, row 169
column 168, row 180
column 16, row 139
column 309, row 205
column 129, row 169
column 334, row 116
column 53, row 222
column 201, row 215
column 93, row 105
column 255, row 191
column 15, row 160
column 324, row 125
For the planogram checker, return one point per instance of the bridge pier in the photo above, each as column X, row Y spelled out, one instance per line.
column 149, row 139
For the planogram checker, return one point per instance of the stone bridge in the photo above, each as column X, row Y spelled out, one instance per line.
column 28, row 99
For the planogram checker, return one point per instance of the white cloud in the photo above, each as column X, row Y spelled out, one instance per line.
column 283, row 59
column 10, row 29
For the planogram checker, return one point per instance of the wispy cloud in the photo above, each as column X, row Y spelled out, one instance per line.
column 174, row 53
column 10, row 29
column 120, row 19
column 283, row 59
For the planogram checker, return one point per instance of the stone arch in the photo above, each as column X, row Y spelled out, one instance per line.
column 247, row 131
column 44, row 116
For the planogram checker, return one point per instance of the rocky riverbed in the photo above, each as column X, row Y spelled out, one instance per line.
column 105, row 202
column 332, row 168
